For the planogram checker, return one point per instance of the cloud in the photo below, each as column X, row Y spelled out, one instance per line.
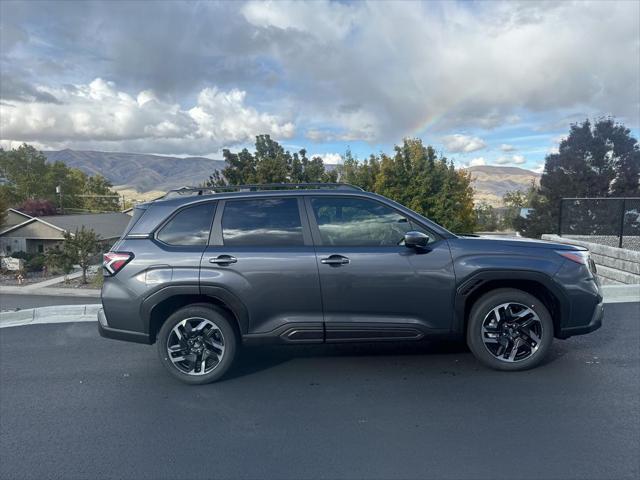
column 474, row 162
column 328, row 158
column 510, row 159
column 462, row 143
column 100, row 114
column 505, row 147
column 339, row 71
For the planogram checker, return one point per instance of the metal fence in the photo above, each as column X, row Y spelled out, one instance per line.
column 607, row 221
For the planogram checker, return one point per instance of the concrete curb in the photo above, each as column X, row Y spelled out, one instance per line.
column 55, row 314
column 61, row 292
column 621, row 293
column 88, row 313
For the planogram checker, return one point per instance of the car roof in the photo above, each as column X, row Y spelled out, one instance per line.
column 187, row 199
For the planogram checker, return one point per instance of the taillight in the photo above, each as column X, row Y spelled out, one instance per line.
column 113, row 262
column 579, row 256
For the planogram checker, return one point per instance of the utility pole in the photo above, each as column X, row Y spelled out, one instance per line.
column 59, row 192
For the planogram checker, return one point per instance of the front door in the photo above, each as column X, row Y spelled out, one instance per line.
column 262, row 254
column 373, row 287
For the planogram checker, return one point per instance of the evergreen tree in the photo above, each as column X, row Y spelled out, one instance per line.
column 602, row 160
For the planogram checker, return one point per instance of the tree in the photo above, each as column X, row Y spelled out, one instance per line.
column 486, row 217
column 602, row 160
column 516, row 200
column 416, row 177
column 37, row 207
column 56, row 258
column 80, row 247
column 24, row 168
column 3, row 212
column 29, row 177
column 105, row 198
column 270, row 163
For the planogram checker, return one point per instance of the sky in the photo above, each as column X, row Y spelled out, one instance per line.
column 484, row 82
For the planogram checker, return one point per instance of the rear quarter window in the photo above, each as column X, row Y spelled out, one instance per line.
column 190, row 226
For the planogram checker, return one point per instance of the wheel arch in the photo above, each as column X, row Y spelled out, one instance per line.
column 157, row 308
column 537, row 284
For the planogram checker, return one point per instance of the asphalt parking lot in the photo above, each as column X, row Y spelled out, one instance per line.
column 74, row 405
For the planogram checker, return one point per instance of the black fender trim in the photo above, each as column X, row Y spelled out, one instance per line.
column 227, row 298
column 231, row 301
column 158, row 296
column 472, row 283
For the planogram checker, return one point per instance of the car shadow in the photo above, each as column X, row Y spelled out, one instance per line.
column 254, row 359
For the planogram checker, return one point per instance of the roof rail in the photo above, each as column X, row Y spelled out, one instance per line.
column 255, row 187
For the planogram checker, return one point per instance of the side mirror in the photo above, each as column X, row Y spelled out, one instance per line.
column 415, row 240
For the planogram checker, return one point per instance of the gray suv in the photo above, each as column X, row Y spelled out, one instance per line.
column 202, row 272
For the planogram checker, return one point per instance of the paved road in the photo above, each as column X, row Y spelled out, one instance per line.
column 12, row 301
column 74, row 405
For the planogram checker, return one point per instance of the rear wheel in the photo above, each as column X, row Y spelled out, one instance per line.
column 197, row 344
column 509, row 329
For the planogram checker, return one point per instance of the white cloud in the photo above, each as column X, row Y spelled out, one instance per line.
column 99, row 114
column 510, row 159
column 505, row 147
column 328, row 158
column 322, row 20
column 458, row 143
column 422, row 70
column 539, row 168
column 344, row 71
column 474, row 162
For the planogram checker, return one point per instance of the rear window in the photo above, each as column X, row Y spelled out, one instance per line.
column 190, row 226
column 262, row 222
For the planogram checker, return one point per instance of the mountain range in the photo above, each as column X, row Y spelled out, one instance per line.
column 142, row 176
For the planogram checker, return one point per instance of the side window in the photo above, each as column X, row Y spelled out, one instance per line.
column 262, row 222
column 190, row 226
column 358, row 222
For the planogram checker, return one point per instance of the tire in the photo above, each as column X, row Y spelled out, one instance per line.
column 216, row 343
column 493, row 330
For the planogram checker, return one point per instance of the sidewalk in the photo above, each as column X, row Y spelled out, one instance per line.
column 45, row 288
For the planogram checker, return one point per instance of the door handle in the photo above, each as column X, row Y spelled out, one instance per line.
column 223, row 260
column 335, row 260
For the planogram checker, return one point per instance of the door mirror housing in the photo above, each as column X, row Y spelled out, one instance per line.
column 416, row 239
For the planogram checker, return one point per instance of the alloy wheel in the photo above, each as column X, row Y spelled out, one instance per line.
column 512, row 332
column 196, row 346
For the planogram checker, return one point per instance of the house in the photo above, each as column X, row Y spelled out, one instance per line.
column 23, row 233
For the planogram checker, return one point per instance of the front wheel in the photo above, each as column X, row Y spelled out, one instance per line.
column 509, row 329
column 197, row 344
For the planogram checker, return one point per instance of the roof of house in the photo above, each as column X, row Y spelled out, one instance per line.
column 105, row 225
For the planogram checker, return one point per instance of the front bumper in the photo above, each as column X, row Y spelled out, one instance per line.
column 117, row 334
column 594, row 324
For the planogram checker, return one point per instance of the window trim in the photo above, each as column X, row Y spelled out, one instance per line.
column 315, row 229
column 217, row 239
column 166, row 221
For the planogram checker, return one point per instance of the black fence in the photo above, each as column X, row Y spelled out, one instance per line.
column 608, row 221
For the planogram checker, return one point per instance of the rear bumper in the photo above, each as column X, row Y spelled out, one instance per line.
column 594, row 324
column 117, row 334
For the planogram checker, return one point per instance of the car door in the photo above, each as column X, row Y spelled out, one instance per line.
column 373, row 287
column 261, row 252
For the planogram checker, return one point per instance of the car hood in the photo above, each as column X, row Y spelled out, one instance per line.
column 517, row 242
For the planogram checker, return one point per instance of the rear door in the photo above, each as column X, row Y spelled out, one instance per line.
column 373, row 287
column 262, row 253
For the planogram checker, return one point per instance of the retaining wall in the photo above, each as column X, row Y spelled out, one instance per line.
column 616, row 266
